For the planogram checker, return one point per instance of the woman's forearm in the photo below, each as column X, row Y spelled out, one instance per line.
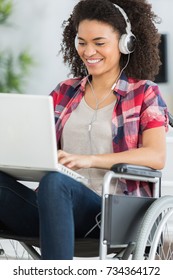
column 141, row 156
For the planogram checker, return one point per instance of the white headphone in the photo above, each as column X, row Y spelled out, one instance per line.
column 127, row 40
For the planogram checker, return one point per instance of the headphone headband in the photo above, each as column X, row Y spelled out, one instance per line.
column 127, row 40
column 128, row 24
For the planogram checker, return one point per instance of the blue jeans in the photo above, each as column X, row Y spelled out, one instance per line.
column 61, row 210
column 18, row 207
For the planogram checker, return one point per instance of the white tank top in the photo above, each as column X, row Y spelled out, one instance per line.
column 89, row 132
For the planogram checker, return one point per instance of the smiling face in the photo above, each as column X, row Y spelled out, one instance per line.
column 98, row 47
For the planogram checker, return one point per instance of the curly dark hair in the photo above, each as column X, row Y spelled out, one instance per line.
column 144, row 61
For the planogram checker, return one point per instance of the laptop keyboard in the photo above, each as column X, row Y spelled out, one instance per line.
column 67, row 171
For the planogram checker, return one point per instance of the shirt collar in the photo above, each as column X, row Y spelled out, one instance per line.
column 81, row 83
column 120, row 88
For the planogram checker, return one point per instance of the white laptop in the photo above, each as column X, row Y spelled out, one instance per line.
column 28, row 148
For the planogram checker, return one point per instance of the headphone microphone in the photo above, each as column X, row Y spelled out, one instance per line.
column 127, row 40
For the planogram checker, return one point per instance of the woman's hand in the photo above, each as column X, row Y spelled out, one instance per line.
column 74, row 161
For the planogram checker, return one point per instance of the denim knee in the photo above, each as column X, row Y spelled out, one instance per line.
column 52, row 185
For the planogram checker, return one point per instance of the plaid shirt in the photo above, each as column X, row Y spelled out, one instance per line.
column 139, row 107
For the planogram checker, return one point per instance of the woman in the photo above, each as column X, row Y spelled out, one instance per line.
column 110, row 112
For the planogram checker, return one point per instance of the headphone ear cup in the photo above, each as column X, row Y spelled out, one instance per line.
column 127, row 43
column 76, row 42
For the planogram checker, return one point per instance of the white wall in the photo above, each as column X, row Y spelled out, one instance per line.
column 164, row 8
column 38, row 28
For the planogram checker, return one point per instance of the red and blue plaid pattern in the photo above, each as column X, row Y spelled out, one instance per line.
column 139, row 107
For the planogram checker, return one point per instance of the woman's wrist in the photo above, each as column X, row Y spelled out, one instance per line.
column 99, row 161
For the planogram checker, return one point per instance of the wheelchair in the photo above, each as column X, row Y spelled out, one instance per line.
column 135, row 228
column 144, row 223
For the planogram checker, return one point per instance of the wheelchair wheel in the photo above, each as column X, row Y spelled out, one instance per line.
column 155, row 238
column 14, row 250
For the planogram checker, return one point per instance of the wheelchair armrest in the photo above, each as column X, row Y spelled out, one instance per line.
column 136, row 170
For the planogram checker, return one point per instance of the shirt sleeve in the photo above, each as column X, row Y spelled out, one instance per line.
column 154, row 111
